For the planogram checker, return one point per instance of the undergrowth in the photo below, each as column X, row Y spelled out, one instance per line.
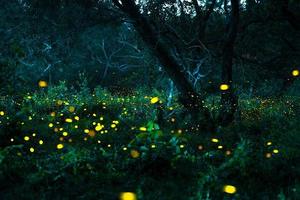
column 64, row 143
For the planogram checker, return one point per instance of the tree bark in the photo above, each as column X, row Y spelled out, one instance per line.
column 229, row 100
column 290, row 16
column 202, row 17
column 190, row 99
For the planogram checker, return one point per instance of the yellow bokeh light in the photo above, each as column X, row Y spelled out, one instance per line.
column 50, row 125
column 116, row 122
column 268, row 155
column 86, row 130
column 68, row 120
column 99, row 127
column 31, row 149
column 92, row 133
column 59, row 102
column 43, row 84
column 71, row 109
column 59, row 146
column 134, row 153
column 229, row 189
column 154, row 100
column 76, row 118
column 113, row 125
column 2, row 113
column 215, row 140
column 224, row 87
column 65, row 134
column 295, row 72
column 128, row 196
column 275, row 151
column 228, row 152
column 41, row 142
column 26, row 138
column 143, row 129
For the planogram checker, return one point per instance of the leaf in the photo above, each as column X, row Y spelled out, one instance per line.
column 156, row 126
column 150, row 126
column 174, row 141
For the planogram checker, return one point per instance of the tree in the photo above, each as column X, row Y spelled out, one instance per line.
column 228, row 98
column 191, row 100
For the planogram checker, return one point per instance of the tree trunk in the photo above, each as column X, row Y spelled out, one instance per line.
column 290, row 16
column 190, row 99
column 202, row 17
column 229, row 100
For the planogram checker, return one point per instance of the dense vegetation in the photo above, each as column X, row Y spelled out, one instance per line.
column 149, row 99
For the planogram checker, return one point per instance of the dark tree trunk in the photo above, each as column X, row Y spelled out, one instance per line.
column 190, row 99
column 229, row 100
column 202, row 17
column 293, row 20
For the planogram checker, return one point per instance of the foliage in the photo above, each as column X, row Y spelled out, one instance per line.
column 133, row 153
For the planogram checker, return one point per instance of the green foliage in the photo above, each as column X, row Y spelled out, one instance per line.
column 138, row 152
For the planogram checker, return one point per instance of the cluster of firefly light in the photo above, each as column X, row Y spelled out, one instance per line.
column 99, row 127
column 256, row 107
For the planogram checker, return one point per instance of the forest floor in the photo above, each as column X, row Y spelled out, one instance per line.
column 60, row 144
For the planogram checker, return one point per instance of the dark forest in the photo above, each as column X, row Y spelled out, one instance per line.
column 150, row 99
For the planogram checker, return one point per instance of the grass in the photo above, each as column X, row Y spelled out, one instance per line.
column 96, row 145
